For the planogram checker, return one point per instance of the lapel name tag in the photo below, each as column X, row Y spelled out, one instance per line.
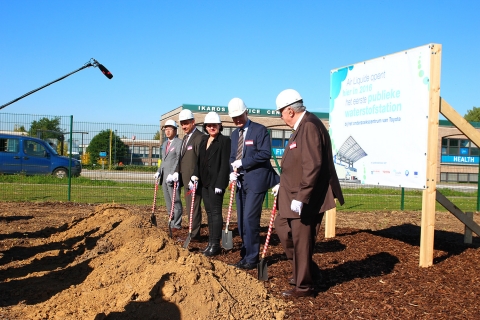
column 249, row 142
column 189, row 147
column 293, row 145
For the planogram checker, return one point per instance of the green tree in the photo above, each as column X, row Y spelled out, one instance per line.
column 39, row 129
column 101, row 142
column 157, row 135
column 18, row 128
column 473, row 115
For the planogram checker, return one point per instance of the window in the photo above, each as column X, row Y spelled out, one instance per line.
column 33, row 148
column 462, row 147
column 139, row 151
column 9, row 145
column 156, row 152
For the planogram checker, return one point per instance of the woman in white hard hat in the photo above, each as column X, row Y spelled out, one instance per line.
column 212, row 173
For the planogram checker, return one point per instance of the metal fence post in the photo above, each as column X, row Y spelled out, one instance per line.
column 70, row 160
column 402, row 200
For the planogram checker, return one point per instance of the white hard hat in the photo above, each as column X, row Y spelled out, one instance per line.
column 170, row 123
column 287, row 97
column 185, row 114
column 236, row 107
column 212, row 117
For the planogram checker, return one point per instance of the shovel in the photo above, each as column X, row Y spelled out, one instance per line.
column 262, row 265
column 171, row 210
column 227, row 242
column 189, row 237
column 153, row 219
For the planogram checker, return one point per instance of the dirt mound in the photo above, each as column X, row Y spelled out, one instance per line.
column 123, row 268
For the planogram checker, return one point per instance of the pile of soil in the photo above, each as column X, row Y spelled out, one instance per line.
column 74, row 261
column 110, row 263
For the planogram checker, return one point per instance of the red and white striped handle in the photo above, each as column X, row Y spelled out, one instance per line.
column 155, row 196
column 270, row 226
column 232, row 193
column 191, row 206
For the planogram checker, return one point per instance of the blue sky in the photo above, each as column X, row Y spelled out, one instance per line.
column 166, row 53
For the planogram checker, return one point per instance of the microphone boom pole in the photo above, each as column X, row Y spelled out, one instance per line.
column 91, row 63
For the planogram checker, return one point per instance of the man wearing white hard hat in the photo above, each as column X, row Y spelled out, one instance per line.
column 188, row 159
column 170, row 158
column 308, row 187
column 251, row 168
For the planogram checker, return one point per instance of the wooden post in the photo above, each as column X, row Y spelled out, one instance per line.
column 429, row 194
column 467, row 237
column 330, row 220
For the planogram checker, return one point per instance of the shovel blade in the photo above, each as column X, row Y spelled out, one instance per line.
column 170, row 230
column 187, row 241
column 262, row 270
column 153, row 219
column 227, row 242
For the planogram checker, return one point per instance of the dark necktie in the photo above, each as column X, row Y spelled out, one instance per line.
column 184, row 144
column 240, row 145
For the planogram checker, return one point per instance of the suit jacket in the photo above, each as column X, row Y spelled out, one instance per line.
column 189, row 158
column 169, row 159
column 258, row 173
column 215, row 163
column 308, row 173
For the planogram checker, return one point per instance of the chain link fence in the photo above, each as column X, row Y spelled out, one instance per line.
column 118, row 162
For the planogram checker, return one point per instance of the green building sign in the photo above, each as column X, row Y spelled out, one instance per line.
column 251, row 111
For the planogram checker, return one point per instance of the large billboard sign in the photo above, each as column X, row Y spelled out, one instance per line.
column 379, row 119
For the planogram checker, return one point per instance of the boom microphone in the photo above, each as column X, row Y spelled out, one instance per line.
column 105, row 71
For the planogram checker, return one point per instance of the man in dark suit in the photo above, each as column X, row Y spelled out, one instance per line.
column 188, row 159
column 250, row 157
column 308, row 187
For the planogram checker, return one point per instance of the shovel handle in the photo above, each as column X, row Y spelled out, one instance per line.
column 232, row 193
column 155, row 196
column 191, row 207
column 173, row 202
column 270, row 226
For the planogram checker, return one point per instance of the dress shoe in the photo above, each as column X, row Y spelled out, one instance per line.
column 245, row 265
column 207, row 248
column 291, row 281
column 294, row 293
column 236, row 264
column 213, row 250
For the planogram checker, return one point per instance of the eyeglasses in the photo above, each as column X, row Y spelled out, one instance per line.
column 281, row 111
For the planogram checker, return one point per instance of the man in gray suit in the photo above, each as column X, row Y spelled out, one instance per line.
column 170, row 157
column 188, row 159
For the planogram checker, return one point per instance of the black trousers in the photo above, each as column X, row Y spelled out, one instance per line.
column 213, row 205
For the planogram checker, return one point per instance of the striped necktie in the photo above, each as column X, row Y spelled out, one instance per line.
column 240, row 145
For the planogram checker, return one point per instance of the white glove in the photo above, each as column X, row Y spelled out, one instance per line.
column 236, row 164
column 296, row 206
column 233, row 176
column 275, row 190
column 169, row 178
column 218, row 191
column 193, row 178
column 175, row 177
column 157, row 175
column 190, row 185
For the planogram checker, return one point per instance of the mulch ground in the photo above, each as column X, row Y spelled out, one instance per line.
column 361, row 273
